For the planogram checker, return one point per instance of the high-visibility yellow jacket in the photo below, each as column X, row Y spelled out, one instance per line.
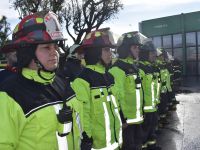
column 28, row 110
column 128, row 81
column 100, row 116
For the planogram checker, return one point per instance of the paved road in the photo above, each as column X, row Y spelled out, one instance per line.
column 183, row 132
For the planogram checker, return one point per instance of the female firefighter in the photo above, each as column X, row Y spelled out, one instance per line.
column 33, row 110
column 128, row 78
column 94, row 89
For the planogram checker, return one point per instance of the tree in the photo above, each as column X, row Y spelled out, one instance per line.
column 85, row 15
column 4, row 33
column 80, row 15
column 26, row 7
column 4, row 30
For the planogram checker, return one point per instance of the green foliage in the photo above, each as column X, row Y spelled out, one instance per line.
column 26, row 7
column 4, row 33
column 4, row 30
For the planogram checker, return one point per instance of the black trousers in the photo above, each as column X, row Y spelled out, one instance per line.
column 162, row 107
column 149, row 126
column 170, row 97
column 132, row 137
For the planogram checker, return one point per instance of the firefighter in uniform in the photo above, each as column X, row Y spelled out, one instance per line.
column 128, row 80
column 33, row 110
column 10, row 68
column 168, row 59
column 150, row 91
column 94, row 88
column 164, row 80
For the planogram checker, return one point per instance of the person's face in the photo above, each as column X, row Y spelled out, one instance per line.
column 135, row 51
column 79, row 56
column 152, row 56
column 48, row 55
column 11, row 58
column 106, row 55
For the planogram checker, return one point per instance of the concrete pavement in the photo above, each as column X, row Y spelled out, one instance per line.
column 183, row 132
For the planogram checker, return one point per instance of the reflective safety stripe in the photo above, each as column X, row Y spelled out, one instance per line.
column 118, row 115
column 78, row 121
column 151, row 142
column 108, row 98
column 138, row 104
column 139, row 117
column 135, row 120
column 148, row 107
column 144, row 145
column 107, row 125
column 110, row 147
column 42, row 106
column 62, row 141
column 158, row 90
column 138, row 86
column 152, row 93
column 152, row 99
column 66, row 126
column 57, row 108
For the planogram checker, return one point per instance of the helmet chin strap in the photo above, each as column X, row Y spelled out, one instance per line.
column 42, row 68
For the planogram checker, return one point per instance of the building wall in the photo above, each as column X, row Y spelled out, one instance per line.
column 180, row 36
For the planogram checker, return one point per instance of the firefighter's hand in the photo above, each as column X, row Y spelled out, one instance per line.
column 86, row 142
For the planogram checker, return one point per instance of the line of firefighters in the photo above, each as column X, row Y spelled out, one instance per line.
column 139, row 83
column 107, row 104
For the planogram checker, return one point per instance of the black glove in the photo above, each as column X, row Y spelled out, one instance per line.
column 65, row 114
column 86, row 142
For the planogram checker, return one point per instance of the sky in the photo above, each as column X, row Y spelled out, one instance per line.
column 134, row 11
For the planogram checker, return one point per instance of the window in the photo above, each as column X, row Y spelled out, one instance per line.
column 198, row 68
column 191, row 68
column 178, row 53
column 190, row 39
column 177, row 40
column 157, row 41
column 198, row 54
column 167, row 41
column 198, row 38
column 191, row 53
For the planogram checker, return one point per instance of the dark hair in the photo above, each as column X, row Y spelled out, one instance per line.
column 92, row 55
column 144, row 55
column 25, row 55
column 123, row 50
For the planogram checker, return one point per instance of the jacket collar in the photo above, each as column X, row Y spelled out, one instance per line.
column 129, row 60
column 33, row 75
column 98, row 68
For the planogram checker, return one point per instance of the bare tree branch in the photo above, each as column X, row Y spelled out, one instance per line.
column 80, row 15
